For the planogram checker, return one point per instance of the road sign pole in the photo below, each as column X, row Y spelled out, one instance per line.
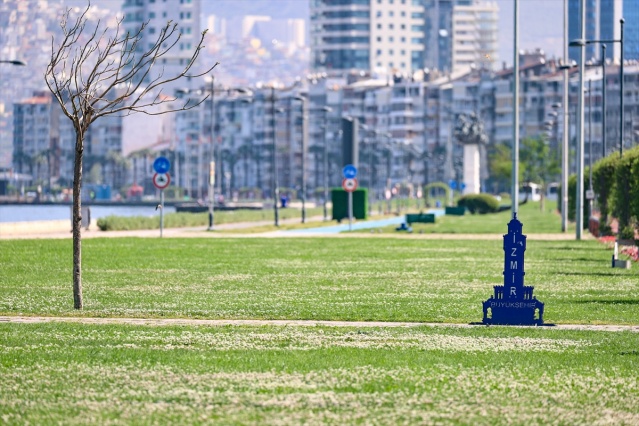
column 350, row 211
column 161, row 211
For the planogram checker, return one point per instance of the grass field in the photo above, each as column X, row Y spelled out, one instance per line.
column 74, row 373
column 385, row 279
column 88, row 374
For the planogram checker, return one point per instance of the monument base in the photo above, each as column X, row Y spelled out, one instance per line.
column 513, row 315
column 499, row 310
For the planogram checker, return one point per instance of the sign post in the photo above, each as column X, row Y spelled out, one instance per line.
column 161, row 180
column 349, row 183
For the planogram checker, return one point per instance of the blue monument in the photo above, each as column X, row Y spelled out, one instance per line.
column 513, row 303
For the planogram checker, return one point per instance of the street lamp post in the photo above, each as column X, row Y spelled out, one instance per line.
column 326, row 110
column 589, row 147
column 304, row 149
column 276, row 185
column 515, row 151
column 581, row 43
column 214, row 156
column 603, row 100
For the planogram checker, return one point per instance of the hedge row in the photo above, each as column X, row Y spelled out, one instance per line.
column 479, row 203
column 615, row 181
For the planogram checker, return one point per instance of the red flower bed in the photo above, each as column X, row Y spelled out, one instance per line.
column 630, row 251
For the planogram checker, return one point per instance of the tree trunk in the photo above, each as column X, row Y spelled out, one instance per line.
column 77, row 221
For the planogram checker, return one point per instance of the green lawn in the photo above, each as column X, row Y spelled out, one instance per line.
column 120, row 374
column 386, row 279
column 88, row 374
column 535, row 220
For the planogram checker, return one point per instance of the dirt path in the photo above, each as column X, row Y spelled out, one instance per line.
column 281, row 323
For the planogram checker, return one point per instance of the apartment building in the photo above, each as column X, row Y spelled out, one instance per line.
column 389, row 36
column 602, row 23
column 36, row 138
column 184, row 13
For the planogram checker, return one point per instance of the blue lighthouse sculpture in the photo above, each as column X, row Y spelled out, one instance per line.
column 513, row 303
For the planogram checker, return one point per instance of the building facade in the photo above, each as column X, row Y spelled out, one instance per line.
column 390, row 36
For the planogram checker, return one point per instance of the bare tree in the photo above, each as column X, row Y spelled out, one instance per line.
column 93, row 74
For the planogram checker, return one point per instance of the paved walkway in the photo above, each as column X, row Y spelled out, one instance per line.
column 60, row 229
column 282, row 323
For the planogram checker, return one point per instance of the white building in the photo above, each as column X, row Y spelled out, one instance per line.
column 185, row 13
column 400, row 36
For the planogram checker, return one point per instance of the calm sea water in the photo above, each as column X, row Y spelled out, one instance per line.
column 32, row 213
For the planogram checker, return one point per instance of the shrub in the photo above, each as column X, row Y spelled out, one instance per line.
column 479, row 203
column 572, row 199
column 626, row 188
column 603, row 180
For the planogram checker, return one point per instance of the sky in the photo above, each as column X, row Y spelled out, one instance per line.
column 540, row 26
column 540, row 21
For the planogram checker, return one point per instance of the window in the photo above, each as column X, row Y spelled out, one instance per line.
column 151, row 15
column 391, row 26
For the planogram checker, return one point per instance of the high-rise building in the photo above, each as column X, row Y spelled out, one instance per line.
column 402, row 35
column 185, row 13
column 461, row 33
column 602, row 23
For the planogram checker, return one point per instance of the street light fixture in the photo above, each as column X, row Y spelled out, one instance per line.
column 583, row 43
column 13, row 62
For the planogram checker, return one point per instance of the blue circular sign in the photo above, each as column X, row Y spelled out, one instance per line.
column 161, row 165
column 349, row 171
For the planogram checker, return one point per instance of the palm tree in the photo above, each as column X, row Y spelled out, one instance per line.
column 118, row 164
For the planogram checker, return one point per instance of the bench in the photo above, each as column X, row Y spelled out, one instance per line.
column 455, row 211
column 420, row 218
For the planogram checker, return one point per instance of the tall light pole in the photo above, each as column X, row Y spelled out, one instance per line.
column 326, row 110
column 566, row 131
column 603, row 100
column 304, row 149
column 22, row 64
column 580, row 127
column 276, row 185
column 581, row 43
column 590, row 193
column 275, row 181
column 621, row 123
column 214, row 156
column 515, row 150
